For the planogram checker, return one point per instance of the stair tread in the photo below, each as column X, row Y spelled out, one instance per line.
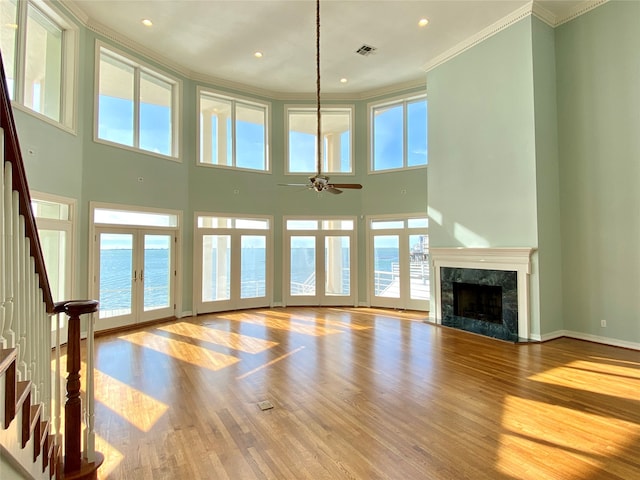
column 7, row 356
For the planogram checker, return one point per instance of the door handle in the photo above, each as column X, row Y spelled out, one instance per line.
column 141, row 275
column 135, row 275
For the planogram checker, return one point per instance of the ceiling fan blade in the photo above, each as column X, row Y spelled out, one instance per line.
column 356, row 186
column 294, row 185
column 331, row 189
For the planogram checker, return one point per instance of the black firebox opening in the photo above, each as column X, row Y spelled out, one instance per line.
column 482, row 302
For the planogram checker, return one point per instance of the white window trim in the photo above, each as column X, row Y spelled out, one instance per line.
column 197, row 253
column 50, row 223
column 353, row 235
column 176, row 107
column 388, row 102
column 200, row 90
column 323, row 108
column 69, row 68
column 370, row 233
column 137, row 208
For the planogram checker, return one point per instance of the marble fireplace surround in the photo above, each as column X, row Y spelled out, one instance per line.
column 509, row 259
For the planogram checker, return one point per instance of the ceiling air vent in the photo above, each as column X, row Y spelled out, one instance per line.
column 366, row 50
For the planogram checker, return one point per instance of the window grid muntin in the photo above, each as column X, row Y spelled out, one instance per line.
column 212, row 96
column 404, row 102
column 326, row 112
column 107, row 52
column 65, row 109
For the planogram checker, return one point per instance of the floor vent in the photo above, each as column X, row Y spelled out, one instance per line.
column 265, row 405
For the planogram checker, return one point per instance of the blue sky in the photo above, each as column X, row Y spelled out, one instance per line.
column 116, row 125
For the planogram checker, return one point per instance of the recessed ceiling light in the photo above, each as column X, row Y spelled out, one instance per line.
column 343, row 80
column 147, row 23
column 423, row 22
column 258, row 54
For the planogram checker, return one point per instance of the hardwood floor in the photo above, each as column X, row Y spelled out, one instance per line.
column 360, row 394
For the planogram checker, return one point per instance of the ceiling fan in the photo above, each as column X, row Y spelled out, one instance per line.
column 320, row 182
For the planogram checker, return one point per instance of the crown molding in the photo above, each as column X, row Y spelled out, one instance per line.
column 578, row 10
column 75, row 11
column 531, row 8
column 481, row 36
column 543, row 14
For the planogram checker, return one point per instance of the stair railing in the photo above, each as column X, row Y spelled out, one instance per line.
column 27, row 307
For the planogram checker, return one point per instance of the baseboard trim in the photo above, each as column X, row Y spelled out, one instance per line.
column 186, row 313
column 614, row 342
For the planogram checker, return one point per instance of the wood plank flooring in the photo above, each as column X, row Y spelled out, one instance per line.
column 360, row 394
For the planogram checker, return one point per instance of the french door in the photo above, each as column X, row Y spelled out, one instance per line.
column 399, row 263
column 233, row 263
column 319, row 259
column 134, row 275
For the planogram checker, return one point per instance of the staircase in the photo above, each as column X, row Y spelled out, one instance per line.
column 28, row 447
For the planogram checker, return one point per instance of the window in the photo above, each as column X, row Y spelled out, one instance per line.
column 336, row 129
column 137, row 107
column 38, row 46
column 233, row 132
column 399, row 134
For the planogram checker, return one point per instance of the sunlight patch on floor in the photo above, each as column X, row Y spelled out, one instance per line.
column 529, row 439
column 275, row 360
column 232, row 340
column 289, row 324
column 596, row 377
column 112, row 457
column 180, row 350
column 134, row 406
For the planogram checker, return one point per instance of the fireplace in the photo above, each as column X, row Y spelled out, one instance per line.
column 480, row 301
column 483, row 290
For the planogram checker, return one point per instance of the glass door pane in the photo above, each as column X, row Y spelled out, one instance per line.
column 303, row 266
column 419, row 267
column 337, row 266
column 216, row 267
column 253, row 266
column 386, row 266
column 157, row 272
column 54, row 250
column 116, row 274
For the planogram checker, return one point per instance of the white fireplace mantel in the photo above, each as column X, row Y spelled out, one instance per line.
column 509, row 259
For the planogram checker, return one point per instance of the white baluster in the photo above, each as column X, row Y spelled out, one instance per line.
column 57, row 378
column 3, row 340
column 89, row 419
column 19, row 288
column 9, row 306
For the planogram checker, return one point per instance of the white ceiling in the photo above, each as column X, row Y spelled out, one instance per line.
column 216, row 39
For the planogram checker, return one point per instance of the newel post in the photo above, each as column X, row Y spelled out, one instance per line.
column 74, row 466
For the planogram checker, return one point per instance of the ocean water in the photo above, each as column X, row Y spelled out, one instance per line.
column 116, row 274
column 116, row 278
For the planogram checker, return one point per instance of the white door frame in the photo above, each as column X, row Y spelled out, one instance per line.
column 176, row 253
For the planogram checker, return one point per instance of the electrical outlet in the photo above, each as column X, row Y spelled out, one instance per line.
column 603, row 323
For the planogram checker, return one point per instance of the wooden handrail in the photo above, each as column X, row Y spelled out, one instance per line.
column 13, row 155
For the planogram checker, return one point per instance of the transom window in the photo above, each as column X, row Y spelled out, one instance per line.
column 39, row 52
column 136, row 106
column 336, row 130
column 399, row 134
column 233, row 132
